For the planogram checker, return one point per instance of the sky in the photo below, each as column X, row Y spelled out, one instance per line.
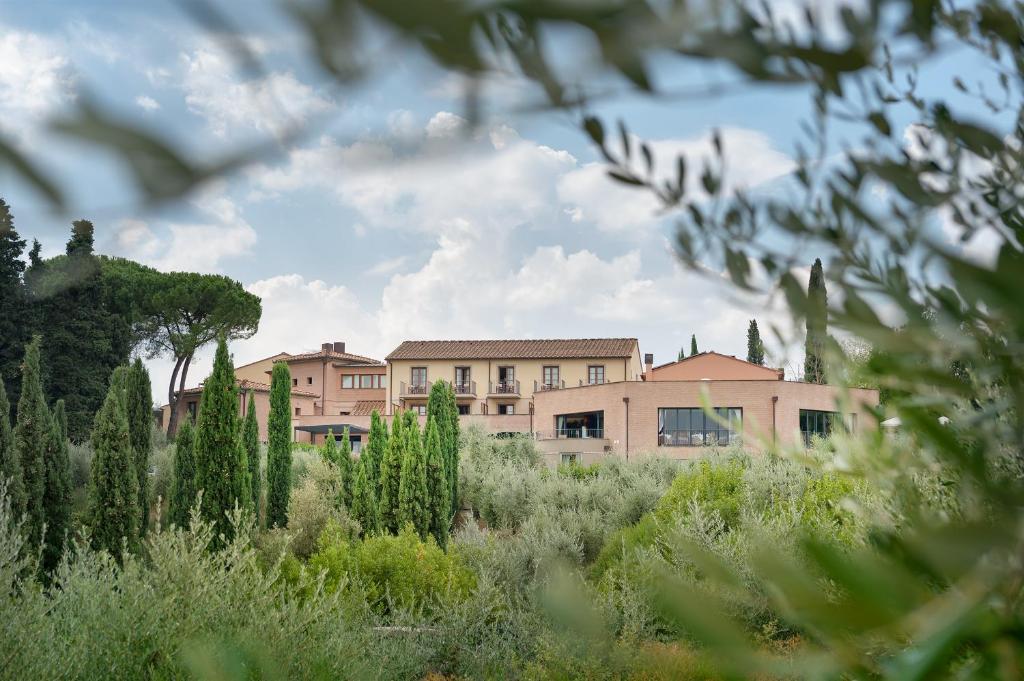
column 387, row 221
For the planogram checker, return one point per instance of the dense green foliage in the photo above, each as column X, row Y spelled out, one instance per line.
column 693, row 345
column 113, row 513
column 183, row 487
column 365, row 509
column 413, row 502
column 139, row 394
column 817, row 330
column 32, row 432
column 755, row 347
column 279, row 451
column 222, row 472
column 442, row 406
column 346, row 467
column 438, row 486
column 14, row 326
column 251, row 444
column 10, row 462
column 57, row 490
column 373, row 450
column 390, row 474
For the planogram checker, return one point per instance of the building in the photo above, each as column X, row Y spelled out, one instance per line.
column 664, row 413
column 496, row 380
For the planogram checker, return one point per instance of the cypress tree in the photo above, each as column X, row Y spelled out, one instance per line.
column 14, row 317
column 279, row 448
column 693, row 345
column 450, row 447
column 10, row 465
column 57, row 493
column 222, row 472
column 682, row 353
column 31, row 437
column 364, row 500
column 390, row 474
column 755, row 348
column 251, row 443
column 329, row 449
column 413, row 504
column 344, row 461
column 438, row 491
column 113, row 485
column 373, row 452
column 139, row 394
column 183, row 487
column 817, row 306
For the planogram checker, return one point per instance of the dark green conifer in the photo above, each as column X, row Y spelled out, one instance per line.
column 279, row 448
column 57, row 491
column 817, row 325
column 693, row 345
column 391, row 473
column 345, row 468
column 183, row 487
column 251, row 443
column 438, row 491
column 222, row 472
column 139, row 394
column 413, row 504
column 32, row 434
column 113, row 485
column 364, row 500
column 374, row 450
column 10, row 465
column 755, row 348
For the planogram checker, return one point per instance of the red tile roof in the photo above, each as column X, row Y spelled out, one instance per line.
column 516, row 349
column 337, row 356
column 366, row 407
column 246, row 385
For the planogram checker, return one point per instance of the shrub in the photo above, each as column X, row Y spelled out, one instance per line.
column 314, row 504
column 717, row 485
column 394, row 571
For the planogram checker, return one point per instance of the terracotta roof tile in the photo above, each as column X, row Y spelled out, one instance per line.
column 515, row 349
column 339, row 356
column 246, row 385
column 366, row 407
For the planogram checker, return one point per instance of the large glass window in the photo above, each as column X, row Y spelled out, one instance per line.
column 691, row 427
column 586, row 424
column 366, row 381
column 823, row 423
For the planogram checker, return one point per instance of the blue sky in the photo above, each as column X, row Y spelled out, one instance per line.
column 385, row 224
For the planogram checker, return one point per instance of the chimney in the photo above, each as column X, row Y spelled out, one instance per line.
column 339, row 346
column 648, row 363
column 325, row 347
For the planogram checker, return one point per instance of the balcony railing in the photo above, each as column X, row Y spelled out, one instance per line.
column 503, row 388
column 464, row 387
column 413, row 389
column 539, row 386
column 580, row 433
column 595, row 382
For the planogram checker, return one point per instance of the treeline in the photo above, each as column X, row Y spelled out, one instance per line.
column 91, row 312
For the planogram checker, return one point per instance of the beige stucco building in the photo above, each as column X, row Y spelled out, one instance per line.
column 752, row 406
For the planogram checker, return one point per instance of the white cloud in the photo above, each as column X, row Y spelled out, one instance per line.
column 35, row 76
column 388, row 265
column 147, row 103
column 191, row 246
column 88, row 38
column 214, row 91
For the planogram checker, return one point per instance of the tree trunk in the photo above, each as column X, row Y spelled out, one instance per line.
column 174, row 397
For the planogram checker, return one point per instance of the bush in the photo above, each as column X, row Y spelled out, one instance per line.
column 716, row 485
column 314, row 504
column 392, row 572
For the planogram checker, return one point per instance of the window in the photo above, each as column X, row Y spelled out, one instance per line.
column 691, row 427
column 357, row 443
column 823, row 423
column 582, row 425
column 463, row 409
column 570, row 457
column 551, row 377
column 309, row 380
column 295, row 382
column 298, row 411
column 506, row 380
column 462, row 380
column 506, row 409
column 419, row 376
column 595, row 374
column 420, row 409
column 191, row 406
column 344, row 413
column 382, row 381
column 366, row 381
column 348, row 381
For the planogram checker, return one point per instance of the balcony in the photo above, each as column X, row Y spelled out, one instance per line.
column 579, row 433
column 504, row 388
column 464, row 388
column 413, row 389
column 540, row 386
column 583, row 383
